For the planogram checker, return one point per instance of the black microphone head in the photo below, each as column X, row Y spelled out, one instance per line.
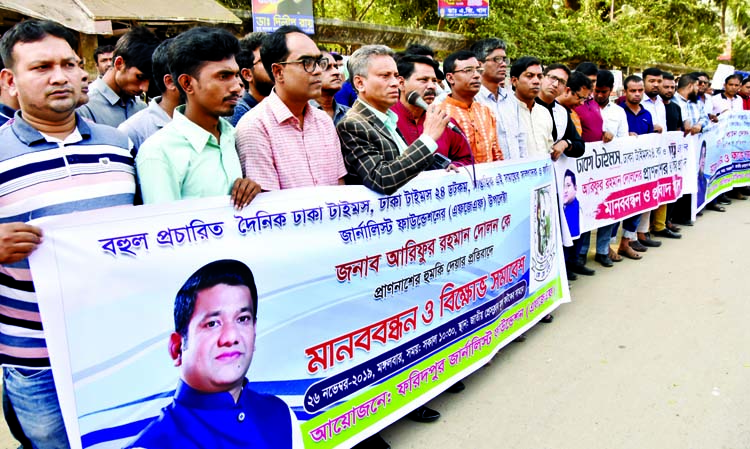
column 414, row 99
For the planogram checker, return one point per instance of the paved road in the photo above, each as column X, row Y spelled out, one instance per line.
column 651, row 354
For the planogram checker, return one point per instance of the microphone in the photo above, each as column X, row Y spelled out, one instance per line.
column 414, row 99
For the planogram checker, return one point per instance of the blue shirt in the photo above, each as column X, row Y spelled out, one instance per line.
column 145, row 123
column 640, row 123
column 347, row 95
column 6, row 113
column 246, row 103
column 339, row 110
column 106, row 107
column 213, row 420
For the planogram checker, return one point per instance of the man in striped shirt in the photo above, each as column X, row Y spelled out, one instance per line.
column 52, row 162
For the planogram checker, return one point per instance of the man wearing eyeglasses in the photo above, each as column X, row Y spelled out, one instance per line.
column 491, row 53
column 463, row 73
column 559, row 99
column 374, row 152
column 284, row 142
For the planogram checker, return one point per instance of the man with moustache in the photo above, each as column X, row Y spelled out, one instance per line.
column 331, row 83
column 491, row 53
column 420, row 74
column 729, row 100
column 535, row 121
column 639, row 122
column 661, row 224
column 374, row 152
column 284, row 142
column 103, row 58
column 194, row 156
column 253, row 74
column 463, row 74
column 113, row 98
column 45, row 134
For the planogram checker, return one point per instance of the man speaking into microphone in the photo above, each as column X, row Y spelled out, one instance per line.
column 375, row 154
column 419, row 77
column 463, row 73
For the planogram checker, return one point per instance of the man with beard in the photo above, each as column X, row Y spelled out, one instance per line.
column 686, row 98
column 491, row 54
column 463, row 72
column 420, row 74
column 193, row 156
column 332, row 80
column 661, row 225
column 113, row 98
column 285, row 142
column 534, row 120
column 253, row 74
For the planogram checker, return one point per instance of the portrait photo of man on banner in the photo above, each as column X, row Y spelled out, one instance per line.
column 215, row 312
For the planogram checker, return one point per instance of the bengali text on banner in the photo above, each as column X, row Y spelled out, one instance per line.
column 368, row 305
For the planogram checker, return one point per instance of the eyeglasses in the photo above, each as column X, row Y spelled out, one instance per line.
column 309, row 63
column 557, row 80
column 582, row 97
column 499, row 59
column 702, row 82
column 470, row 70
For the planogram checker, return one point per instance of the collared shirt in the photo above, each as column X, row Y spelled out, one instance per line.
column 278, row 152
column 723, row 104
column 538, row 124
column 145, row 123
column 565, row 126
column 614, row 120
column 183, row 160
column 479, row 126
column 197, row 420
column 690, row 110
column 390, row 121
column 91, row 169
column 451, row 144
column 509, row 136
column 640, row 123
column 655, row 106
column 592, row 122
column 106, row 107
column 339, row 110
column 246, row 103
column 6, row 113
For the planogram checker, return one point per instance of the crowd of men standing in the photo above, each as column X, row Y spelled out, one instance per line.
column 273, row 111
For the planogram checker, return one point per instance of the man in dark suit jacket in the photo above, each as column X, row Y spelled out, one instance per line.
column 375, row 153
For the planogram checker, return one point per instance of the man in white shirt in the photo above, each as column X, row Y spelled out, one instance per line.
column 729, row 100
column 526, row 76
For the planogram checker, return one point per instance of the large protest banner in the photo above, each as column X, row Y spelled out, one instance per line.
column 723, row 160
column 368, row 305
column 269, row 15
column 622, row 178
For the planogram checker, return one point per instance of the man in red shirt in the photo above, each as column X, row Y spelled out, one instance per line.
column 420, row 74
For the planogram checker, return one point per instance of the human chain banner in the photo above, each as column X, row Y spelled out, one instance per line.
column 368, row 305
column 723, row 161
column 622, row 178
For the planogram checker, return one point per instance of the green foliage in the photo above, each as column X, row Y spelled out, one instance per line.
column 642, row 32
